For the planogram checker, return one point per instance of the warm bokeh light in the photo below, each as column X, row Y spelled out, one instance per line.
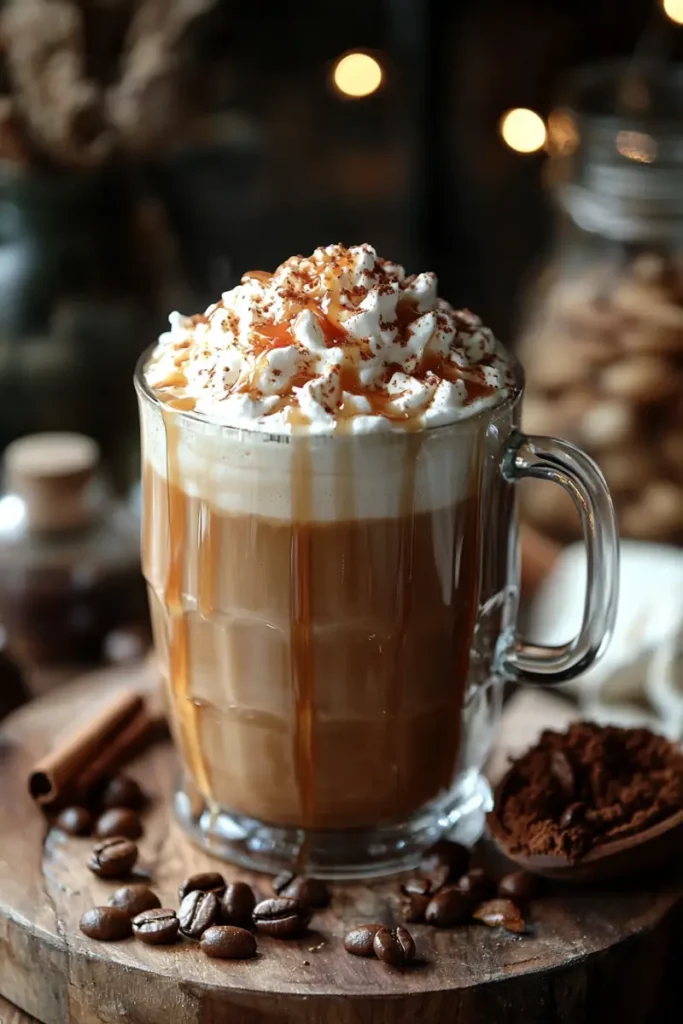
column 674, row 9
column 522, row 130
column 563, row 134
column 357, row 75
column 637, row 146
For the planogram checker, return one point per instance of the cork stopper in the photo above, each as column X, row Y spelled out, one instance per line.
column 53, row 474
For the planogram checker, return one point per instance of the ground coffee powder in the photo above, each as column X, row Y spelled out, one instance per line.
column 593, row 784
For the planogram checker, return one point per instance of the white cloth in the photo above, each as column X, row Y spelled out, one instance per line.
column 639, row 680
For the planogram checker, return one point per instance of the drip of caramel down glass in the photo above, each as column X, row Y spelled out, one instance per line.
column 333, row 615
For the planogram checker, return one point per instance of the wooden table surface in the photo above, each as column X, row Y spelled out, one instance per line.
column 11, row 1015
column 597, row 955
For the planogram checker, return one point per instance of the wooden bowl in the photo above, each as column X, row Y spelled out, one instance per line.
column 650, row 850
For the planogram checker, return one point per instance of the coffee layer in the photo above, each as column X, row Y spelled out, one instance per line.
column 317, row 670
column 317, row 664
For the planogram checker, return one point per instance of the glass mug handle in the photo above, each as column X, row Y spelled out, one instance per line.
column 559, row 462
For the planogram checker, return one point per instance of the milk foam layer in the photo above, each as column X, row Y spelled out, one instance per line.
column 381, row 476
column 339, row 340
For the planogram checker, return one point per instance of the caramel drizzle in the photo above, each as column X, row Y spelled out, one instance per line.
column 271, row 335
column 148, row 513
column 182, row 404
column 208, row 537
column 300, row 633
column 257, row 275
column 175, row 379
column 467, row 573
column 178, row 632
column 404, row 597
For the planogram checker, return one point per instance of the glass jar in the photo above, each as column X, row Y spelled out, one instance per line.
column 71, row 585
column 81, row 294
column 603, row 336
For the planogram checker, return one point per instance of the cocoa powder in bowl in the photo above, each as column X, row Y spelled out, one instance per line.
column 589, row 786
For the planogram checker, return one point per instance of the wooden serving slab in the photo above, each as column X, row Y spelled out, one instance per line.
column 12, row 1015
column 592, row 956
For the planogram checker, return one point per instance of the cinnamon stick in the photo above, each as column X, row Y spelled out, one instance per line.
column 94, row 750
column 142, row 729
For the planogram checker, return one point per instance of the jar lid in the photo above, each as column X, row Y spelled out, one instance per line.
column 617, row 166
column 53, row 474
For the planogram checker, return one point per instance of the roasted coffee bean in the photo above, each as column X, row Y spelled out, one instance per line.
column 583, row 839
column 282, row 918
column 441, row 877
column 157, row 927
column 562, row 772
column 228, row 943
column 75, row 821
column 122, row 791
column 113, row 858
column 500, row 914
column 417, row 886
column 448, row 908
column 237, row 904
column 395, row 947
column 416, row 894
column 445, row 863
column 414, row 906
column 119, row 821
column 575, row 814
column 106, row 924
column 477, row 885
column 282, row 880
column 359, row 941
column 311, row 892
column 198, row 911
column 205, row 881
column 519, row 887
column 134, row 899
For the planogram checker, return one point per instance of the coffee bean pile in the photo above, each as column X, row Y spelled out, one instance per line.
column 111, row 810
column 207, row 912
column 223, row 917
column 447, row 893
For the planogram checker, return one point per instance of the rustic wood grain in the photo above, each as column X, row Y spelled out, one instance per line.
column 13, row 1015
column 592, row 956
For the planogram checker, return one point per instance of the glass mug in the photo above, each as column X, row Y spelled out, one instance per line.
column 334, row 617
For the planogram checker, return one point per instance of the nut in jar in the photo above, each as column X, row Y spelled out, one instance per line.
column 603, row 342
column 625, row 404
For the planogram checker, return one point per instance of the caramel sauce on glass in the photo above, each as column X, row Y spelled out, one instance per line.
column 413, row 542
column 178, row 634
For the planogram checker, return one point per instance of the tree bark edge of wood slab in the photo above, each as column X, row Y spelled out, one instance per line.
column 592, row 956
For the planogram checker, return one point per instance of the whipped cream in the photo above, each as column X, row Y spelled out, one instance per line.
column 340, row 337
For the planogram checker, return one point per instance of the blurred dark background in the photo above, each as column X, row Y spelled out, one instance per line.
column 151, row 151
column 216, row 140
column 418, row 168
